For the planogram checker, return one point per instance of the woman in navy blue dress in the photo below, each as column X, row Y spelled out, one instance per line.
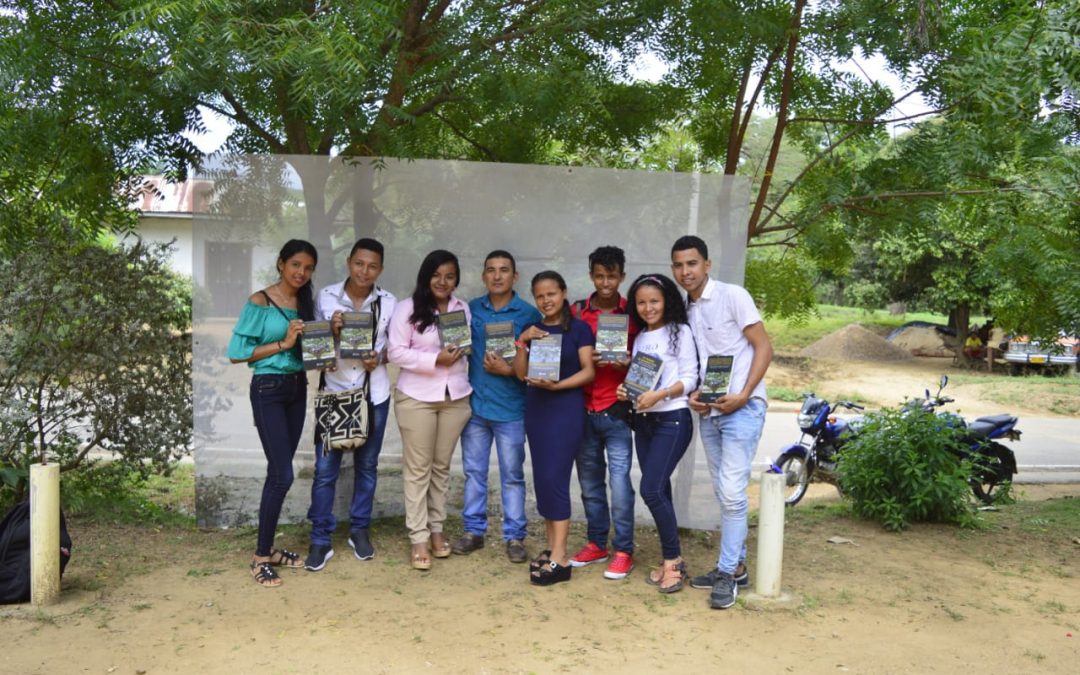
column 555, row 418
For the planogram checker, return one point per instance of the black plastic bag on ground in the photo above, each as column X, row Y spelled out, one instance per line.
column 15, row 553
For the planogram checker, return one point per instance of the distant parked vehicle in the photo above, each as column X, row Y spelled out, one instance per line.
column 1024, row 352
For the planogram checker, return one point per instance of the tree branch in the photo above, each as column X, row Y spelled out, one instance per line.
column 769, row 64
column 732, row 161
column 823, row 154
column 872, row 121
column 239, row 114
column 781, row 118
column 487, row 152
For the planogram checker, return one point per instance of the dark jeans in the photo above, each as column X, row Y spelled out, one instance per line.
column 279, row 403
column 610, row 433
column 365, row 477
column 661, row 439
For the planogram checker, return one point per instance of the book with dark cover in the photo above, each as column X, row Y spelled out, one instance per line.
column 499, row 339
column 643, row 374
column 544, row 357
column 454, row 331
column 317, row 345
column 357, row 335
column 717, row 376
column 612, row 336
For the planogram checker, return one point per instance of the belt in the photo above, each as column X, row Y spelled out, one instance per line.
column 663, row 414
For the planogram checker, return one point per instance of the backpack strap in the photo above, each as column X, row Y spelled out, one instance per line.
column 275, row 305
column 577, row 308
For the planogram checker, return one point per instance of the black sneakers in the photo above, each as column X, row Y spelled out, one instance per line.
column 317, row 556
column 708, row 580
column 361, row 545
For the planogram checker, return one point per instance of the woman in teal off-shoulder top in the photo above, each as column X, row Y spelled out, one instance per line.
column 265, row 337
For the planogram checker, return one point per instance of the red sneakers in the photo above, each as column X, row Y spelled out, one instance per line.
column 620, row 566
column 588, row 555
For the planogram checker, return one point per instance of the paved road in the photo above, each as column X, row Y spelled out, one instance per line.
column 1047, row 452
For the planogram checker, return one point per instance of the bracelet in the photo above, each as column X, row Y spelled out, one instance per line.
column 279, row 348
column 521, row 345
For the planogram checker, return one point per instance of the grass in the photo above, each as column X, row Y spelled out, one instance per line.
column 1059, row 395
column 106, row 493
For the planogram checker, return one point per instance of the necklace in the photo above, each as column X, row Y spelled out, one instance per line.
column 281, row 298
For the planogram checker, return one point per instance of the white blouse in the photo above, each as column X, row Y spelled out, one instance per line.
column 680, row 366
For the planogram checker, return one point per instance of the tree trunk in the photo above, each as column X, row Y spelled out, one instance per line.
column 959, row 320
column 314, row 175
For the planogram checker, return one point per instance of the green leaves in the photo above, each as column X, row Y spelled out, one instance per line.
column 903, row 467
column 96, row 355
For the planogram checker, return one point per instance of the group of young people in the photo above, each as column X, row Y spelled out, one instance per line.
column 583, row 418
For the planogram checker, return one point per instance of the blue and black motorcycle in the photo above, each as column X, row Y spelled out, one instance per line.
column 824, row 434
column 993, row 464
column 814, row 457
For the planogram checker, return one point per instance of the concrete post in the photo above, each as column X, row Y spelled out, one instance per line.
column 770, row 555
column 44, row 533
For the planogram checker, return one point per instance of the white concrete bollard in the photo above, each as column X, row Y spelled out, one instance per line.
column 44, row 533
column 770, row 553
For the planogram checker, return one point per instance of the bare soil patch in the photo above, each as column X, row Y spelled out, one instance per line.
column 1001, row 599
column 933, row 599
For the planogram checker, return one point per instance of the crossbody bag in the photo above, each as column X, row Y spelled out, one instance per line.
column 343, row 418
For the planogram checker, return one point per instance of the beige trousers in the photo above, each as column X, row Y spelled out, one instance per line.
column 429, row 433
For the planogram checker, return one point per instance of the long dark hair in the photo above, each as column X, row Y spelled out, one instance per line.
column 424, row 304
column 552, row 275
column 674, row 308
column 305, row 299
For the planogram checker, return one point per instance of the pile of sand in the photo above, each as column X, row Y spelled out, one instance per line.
column 855, row 343
column 921, row 341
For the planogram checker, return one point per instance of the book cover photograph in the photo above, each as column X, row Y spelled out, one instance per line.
column 612, row 336
column 317, row 345
column 643, row 374
column 717, row 377
column 454, row 331
column 544, row 356
column 499, row 339
column 357, row 335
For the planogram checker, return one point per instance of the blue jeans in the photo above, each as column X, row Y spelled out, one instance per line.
column 279, row 404
column 661, row 439
column 365, row 477
column 605, row 431
column 730, row 443
column 509, row 440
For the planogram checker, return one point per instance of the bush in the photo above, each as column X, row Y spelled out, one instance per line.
column 903, row 468
column 95, row 357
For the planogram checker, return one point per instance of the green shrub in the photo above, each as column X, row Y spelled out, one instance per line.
column 903, row 468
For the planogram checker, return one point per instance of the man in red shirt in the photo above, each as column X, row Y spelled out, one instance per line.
column 607, row 427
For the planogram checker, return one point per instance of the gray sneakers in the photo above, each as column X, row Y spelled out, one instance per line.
column 724, row 591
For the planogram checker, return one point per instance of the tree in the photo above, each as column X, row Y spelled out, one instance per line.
column 410, row 78
column 95, row 356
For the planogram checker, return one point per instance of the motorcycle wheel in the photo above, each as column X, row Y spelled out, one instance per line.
column 995, row 465
column 796, row 476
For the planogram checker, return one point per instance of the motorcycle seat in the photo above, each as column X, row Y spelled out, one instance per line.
column 981, row 428
column 997, row 420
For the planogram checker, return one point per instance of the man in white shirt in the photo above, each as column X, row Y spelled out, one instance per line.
column 358, row 293
column 725, row 322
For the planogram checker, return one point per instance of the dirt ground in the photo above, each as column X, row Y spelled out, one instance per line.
column 1003, row 598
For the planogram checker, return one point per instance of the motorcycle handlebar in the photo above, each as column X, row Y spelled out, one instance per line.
column 849, row 404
